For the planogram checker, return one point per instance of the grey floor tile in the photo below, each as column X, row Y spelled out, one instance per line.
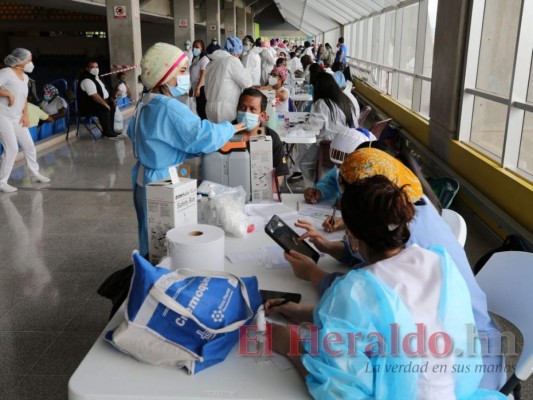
column 40, row 315
column 76, row 285
column 21, row 350
column 9, row 382
column 40, row 387
column 92, row 317
column 65, row 354
column 6, row 304
column 88, row 261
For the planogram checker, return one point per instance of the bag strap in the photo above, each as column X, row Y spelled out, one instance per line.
column 160, row 295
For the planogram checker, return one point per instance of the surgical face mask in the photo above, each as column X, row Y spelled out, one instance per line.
column 47, row 97
column 353, row 253
column 245, row 48
column 196, row 52
column 29, row 67
column 94, row 71
column 272, row 80
column 182, row 87
column 214, row 42
column 250, row 120
column 187, row 47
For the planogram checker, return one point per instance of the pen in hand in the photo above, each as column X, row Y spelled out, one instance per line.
column 332, row 219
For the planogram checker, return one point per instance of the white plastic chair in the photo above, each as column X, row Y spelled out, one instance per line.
column 348, row 88
column 457, row 224
column 506, row 280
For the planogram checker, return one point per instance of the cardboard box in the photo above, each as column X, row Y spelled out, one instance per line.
column 168, row 206
column 261, row 167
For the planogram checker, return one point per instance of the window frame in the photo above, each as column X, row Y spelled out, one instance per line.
column 360, row 58
column 516, row 102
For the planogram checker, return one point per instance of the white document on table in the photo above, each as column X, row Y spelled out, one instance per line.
column 270, row 257
column 267, row 210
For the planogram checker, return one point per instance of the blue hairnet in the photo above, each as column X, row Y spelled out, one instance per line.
column 233, row 45
column 17, row 57
column 340, row 79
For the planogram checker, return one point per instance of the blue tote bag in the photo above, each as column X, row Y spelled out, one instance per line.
column 186, row 318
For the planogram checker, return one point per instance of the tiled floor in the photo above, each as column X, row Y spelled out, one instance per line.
column 58, row 242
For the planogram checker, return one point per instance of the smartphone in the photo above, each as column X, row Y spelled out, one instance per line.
column 271, row 294
column 283, row 235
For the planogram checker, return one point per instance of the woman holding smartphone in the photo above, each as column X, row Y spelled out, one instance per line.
column 407, row 290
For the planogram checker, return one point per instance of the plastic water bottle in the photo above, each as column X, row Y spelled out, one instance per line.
column 273, row 116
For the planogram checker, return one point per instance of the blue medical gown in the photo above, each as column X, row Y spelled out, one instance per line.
column 329, row 185
column 429, row 229
column 360, row 303
column 166, row 134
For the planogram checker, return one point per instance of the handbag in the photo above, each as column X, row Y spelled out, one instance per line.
column 185, row 318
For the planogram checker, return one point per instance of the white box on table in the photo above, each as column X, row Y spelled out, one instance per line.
column 261, row 167
column 168, row 206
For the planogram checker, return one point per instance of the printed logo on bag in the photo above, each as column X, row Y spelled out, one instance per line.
column 217, row 316
column 193, row 303
column 204, row 335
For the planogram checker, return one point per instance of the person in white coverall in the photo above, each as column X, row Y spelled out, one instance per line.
column 164, row 131
column 225, row 78
column 268, row 61
column 251, row 60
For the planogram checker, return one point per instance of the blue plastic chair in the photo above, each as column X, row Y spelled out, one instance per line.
column 62, row 85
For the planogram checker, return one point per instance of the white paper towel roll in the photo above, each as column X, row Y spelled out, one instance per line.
column 199, row 247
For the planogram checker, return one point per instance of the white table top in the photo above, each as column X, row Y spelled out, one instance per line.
column 108, row 374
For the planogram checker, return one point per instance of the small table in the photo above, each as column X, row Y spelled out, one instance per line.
column 107, row 374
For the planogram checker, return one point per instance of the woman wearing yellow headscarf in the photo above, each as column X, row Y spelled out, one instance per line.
column 163, row 131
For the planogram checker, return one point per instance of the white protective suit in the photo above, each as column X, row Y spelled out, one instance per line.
column 252, row 63
column 268, row 62
column 225, row 78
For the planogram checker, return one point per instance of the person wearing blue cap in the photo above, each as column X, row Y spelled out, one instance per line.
column 225, row 78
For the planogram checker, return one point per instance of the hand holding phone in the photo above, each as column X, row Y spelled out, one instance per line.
column 288, row 239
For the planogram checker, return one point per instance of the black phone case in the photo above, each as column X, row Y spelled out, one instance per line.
column 275, row 219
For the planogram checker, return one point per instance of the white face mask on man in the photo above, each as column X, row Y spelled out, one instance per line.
column 94, row 71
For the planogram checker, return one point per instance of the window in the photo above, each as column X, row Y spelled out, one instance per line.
column 497, row 111
column 393, row 52
column 525, row 161
column 496, row 55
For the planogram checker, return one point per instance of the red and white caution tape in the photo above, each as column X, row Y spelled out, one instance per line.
column 123, row 68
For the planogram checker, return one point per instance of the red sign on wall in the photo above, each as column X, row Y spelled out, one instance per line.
column 119, row 12
column 183, row 23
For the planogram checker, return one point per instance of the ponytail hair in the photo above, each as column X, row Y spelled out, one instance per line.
column 377, row 212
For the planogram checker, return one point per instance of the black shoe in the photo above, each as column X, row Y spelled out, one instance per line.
column 295, row 177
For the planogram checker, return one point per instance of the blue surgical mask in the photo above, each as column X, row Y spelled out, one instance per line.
column 353, row 253
column 182, row 87
column 47, row 97
column 245, row 48
column 196, row 52
column 250, row 120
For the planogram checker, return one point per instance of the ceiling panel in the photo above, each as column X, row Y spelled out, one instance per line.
column 317, row 16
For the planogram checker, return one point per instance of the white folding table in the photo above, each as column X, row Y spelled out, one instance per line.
column 107, row 374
